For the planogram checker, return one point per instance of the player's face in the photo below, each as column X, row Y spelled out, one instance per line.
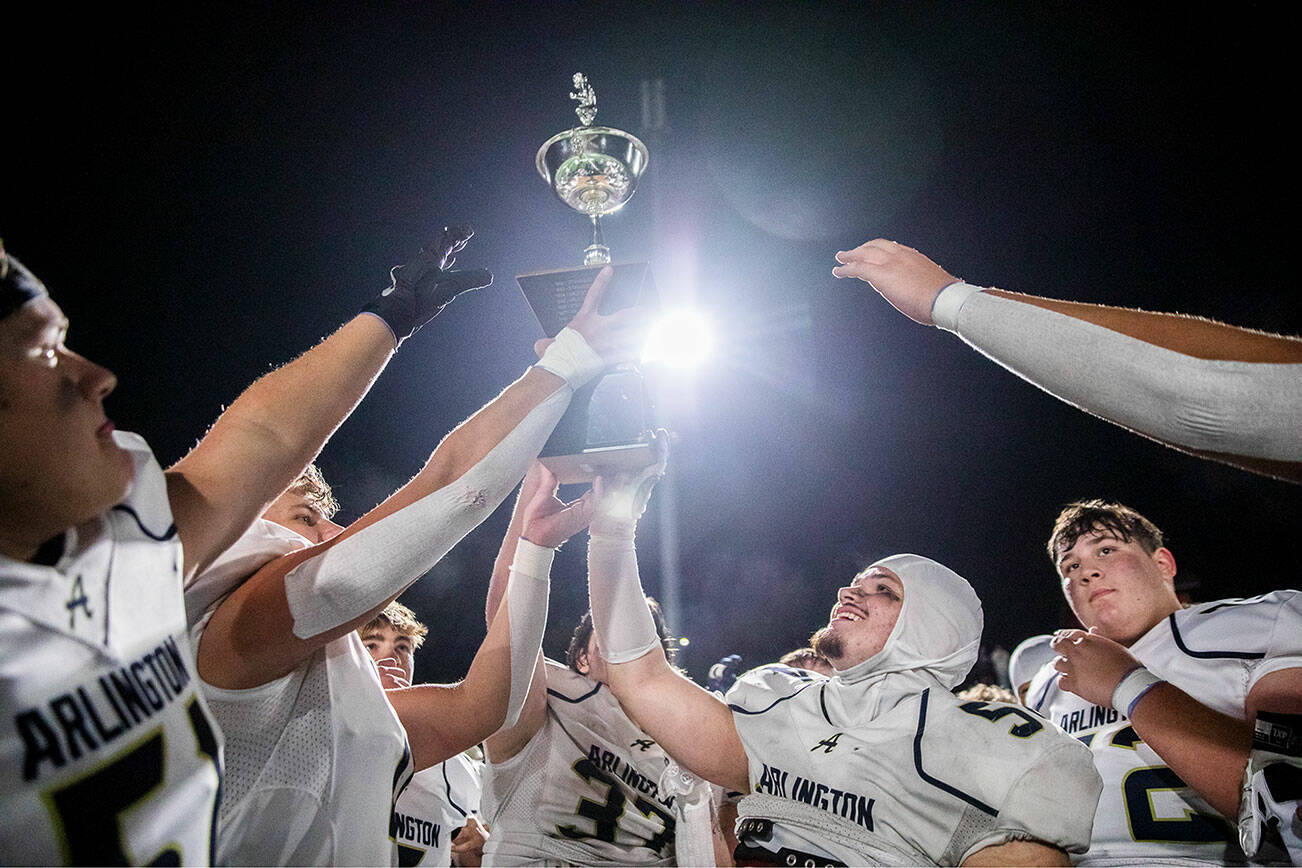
column 1116, row 585
column 385, row 642
column 862, row 619
column 59, row 465
column 295, row 511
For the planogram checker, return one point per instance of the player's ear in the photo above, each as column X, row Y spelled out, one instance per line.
column 1165, row 562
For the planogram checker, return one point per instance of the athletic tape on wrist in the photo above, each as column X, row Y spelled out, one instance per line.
column 571, row 358
column 1132, row 687
column 526, row 606
column 362, row 571
column 1239, row 408
column 620, row 617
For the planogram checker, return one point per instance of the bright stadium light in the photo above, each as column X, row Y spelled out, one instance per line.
column 679, row 339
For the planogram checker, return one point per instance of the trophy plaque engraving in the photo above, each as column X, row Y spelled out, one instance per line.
column 608, row 427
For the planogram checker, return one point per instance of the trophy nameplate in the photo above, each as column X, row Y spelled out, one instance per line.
column 608, row 428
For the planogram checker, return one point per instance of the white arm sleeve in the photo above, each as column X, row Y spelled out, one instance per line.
column 623, row 624
column 526, row 607
column 1240, row 408
column 378, row 562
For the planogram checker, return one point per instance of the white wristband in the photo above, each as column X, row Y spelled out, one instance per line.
column 571, row 358
column 1137, row 682
column 944, row 310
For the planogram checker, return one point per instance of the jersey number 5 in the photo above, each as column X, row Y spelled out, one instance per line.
column 88, row 811
column 994, row 713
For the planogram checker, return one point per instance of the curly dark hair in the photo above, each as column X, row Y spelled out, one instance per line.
column 1087, row 516
column 583, row 632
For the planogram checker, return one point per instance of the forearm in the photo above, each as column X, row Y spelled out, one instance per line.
column 1190, row 335
column 497, row 584
column 358, row 572
column 692, row 725
column 269, row 434
column 1207, row 749
column 1017, row 853
column 443, row 720
column 1202, row 386
column 504, row 682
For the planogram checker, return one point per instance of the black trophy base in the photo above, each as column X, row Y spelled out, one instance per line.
column 556, row 296
column 607, row 429
column 608, row 426
column 602, row 461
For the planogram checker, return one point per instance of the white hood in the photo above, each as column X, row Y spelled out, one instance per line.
column 938, row 631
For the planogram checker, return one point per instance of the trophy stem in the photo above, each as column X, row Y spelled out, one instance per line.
column 596, row 253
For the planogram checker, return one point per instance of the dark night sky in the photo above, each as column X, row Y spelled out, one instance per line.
column 210, row 188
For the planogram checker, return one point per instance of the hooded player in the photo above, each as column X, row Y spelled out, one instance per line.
column 879, row 764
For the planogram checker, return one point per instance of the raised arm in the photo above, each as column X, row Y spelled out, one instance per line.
column 505, row 685
column 298, row 603
column 540, row 524
column 694, row 726
column 269, row 434
column 1214, row 390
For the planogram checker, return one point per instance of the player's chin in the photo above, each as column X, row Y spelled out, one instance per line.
column 828, row 642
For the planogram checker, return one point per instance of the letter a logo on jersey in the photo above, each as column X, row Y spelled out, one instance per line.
column 77, row 599
column 828, row 744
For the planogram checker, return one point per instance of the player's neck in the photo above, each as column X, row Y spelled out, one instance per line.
column 27, row 548
column 1155, row 618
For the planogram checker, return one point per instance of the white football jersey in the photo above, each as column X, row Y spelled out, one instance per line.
column 107, row 751
column 436, row 803
column 584, row 791
column 1215, row 652
column 314, row 758
column 900, row 772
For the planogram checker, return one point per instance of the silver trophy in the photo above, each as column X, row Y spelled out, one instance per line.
column 595, row 170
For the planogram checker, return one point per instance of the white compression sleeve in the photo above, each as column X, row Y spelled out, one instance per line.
column 1239, row 408
column 526, row 606
column 620, row 617
column 380, row 561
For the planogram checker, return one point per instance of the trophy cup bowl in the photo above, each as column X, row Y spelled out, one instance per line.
column 594, row 170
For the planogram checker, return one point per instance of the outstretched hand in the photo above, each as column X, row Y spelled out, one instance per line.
column 616, row 337
column 548, row 520
column 425, row 285
column 902, row 275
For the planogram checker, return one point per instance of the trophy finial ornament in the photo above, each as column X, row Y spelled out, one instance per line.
column 587, row 97
column 592, row 169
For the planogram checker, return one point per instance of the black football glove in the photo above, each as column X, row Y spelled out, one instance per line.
column 425, row 285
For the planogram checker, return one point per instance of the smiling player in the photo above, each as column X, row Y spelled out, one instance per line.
column 879, row 764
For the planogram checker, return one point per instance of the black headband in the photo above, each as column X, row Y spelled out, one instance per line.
column 17, row 285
